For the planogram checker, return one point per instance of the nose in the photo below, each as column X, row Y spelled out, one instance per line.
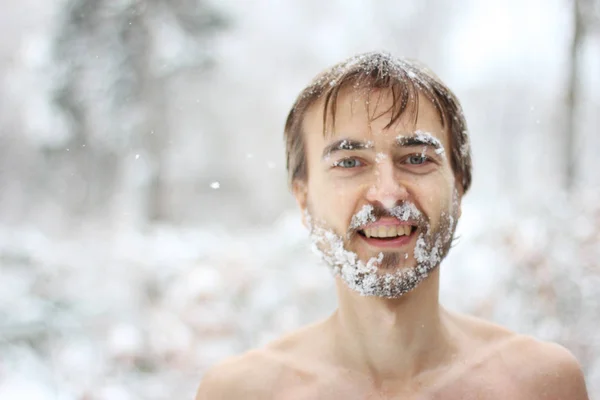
column 388, row 189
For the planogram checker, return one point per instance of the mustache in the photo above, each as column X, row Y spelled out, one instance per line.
column 374, row 212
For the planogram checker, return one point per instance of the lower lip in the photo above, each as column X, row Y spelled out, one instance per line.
column 387, row 243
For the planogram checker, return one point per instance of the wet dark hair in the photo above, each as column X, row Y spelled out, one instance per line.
column 367, row 73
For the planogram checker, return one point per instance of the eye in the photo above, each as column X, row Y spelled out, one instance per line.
column 417, row 159
column 348, row 163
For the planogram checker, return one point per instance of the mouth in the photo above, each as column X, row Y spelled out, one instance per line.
column 388, row 236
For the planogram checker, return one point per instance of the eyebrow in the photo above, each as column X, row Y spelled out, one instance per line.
column 419, row 140
column 401, row 141
column 346, row 144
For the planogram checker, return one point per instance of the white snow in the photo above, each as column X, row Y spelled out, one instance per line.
column 115, row 307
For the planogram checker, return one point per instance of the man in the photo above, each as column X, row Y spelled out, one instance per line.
column 379, row 160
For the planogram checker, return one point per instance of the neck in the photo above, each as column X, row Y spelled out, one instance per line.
column 392, row 338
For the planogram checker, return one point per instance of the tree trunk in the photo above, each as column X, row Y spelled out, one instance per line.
column 570, row 136
column 156, row 143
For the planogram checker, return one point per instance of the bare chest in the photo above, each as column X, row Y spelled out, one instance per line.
column 476, row 387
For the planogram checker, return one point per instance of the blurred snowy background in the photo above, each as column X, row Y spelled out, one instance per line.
column 146, row 230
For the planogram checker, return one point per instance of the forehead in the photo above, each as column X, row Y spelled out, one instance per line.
column 366, row 116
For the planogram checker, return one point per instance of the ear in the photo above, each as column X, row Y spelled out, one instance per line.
column 300, row 191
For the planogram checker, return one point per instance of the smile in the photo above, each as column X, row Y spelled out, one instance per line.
column 389, row 231
column 388, row 235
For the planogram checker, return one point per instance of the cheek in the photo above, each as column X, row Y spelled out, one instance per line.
column 435, row 195
column 323, row 196
column 342, row 199
column 335, row 202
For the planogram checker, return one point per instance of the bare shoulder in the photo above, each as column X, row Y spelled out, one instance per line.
column 544, row 370
column 246, row 376
column 548, row 369
column 260, row 373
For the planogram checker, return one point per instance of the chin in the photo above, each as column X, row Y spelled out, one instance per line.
column 392, row 260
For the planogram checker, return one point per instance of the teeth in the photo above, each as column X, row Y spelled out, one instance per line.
column 388, row 231
column 391, row 232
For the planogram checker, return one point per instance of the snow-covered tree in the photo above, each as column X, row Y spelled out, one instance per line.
column 115, row 59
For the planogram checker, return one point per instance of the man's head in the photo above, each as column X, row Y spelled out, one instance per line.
column 378, row 159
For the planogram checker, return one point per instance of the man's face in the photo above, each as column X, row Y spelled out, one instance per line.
column 381, row 203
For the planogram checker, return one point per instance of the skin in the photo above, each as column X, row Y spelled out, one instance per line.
column 408, row 347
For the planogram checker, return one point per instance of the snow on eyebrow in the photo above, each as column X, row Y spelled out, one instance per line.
column 346, row 144
column 421, row 138
column 428, row 137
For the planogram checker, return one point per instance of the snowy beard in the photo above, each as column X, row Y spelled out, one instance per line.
column 387, row 274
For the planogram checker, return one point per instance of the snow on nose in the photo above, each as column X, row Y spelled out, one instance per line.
column 389, row 203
